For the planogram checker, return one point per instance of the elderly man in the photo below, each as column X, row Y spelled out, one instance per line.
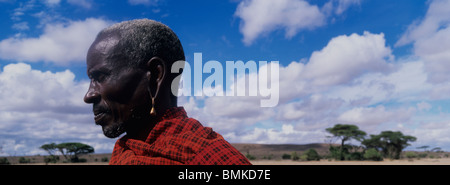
column 129, row 66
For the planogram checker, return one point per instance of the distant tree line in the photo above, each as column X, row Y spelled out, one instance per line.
column 70, row 151
column 310, row 155
column 387, row 144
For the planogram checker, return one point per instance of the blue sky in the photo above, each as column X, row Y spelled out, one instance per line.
column 378, row 64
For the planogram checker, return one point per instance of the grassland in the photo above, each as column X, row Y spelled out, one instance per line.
column 263, row 154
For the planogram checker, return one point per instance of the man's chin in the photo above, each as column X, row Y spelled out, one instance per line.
column 113, row 131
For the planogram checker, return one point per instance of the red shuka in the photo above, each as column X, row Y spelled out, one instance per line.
column 176, row 140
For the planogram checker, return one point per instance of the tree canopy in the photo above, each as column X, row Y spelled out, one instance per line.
column 389, row 142
column 345, row 133
column 50, row 148
column 70, row 151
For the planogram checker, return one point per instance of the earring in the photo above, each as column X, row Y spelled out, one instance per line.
column 152, row 111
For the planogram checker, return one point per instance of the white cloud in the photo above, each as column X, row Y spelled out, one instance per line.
column 261, row 17
column 431, row 39
column 143, row 2
column 20, row 11
column 338, row 6
column 82, row 3
column 342, row 61
column 434, row 134
column 347, row 57
column 407, row 83
column 353, row 80
column 224, row 113
column 436, row 18
column 287, row 134
column 52, row 2
column 233, row 110
column 40, row 107
column 288, row 74
column 308, row 103
column 423, row 106
column 264, row 16
column 343, row 5
column 375, row 116
column 291, row 111
column 436, row 51
column 312, row 109
column 60, row 43
column 440, row 91
column 21, row 26
column 58, row 92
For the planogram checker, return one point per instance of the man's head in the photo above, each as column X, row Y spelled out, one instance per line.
column 129, row 64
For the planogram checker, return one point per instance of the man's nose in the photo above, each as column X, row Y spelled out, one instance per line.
column 91, row 95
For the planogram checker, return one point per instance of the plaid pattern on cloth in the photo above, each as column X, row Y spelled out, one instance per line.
column 177, row 140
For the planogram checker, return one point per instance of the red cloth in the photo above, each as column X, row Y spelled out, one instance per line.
column 175, row 140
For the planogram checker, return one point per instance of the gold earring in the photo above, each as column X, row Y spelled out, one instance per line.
column 152, row 111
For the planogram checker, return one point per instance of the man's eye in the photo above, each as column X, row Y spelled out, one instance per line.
column 101, row 78
column 98, row 77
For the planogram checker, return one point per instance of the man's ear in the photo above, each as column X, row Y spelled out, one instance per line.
column 156, row 73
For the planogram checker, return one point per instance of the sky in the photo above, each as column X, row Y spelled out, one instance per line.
column 378, row 64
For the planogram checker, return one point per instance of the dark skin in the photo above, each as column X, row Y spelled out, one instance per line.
column 121, row 97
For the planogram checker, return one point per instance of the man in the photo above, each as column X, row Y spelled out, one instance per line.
column 129, row 66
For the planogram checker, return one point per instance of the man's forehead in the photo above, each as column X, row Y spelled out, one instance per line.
column 104, row 44
column 100, row 49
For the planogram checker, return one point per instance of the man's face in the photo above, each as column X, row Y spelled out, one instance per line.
column 115, row 93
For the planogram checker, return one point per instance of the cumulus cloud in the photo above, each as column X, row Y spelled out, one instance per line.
column 312, row 109
column 264, row 16
column 225, row 113
column 286, row 134
column 407, row 83
column 342, row 61
column 374, row 116
column 58, row 92
column 60, row 43
column 40, row 107
column 352, row 80
column 261, row 17
column 308, row 101
column 431, row 40
column 346, row 57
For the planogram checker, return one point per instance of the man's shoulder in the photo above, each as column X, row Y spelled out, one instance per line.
column 219, row 152
column 201, row 145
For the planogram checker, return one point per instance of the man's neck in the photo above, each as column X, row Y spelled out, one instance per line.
column 141, row 132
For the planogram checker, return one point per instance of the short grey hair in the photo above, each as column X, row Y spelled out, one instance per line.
column 142, row 39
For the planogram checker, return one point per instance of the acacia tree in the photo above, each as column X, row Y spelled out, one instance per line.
column 70, row 151
column 424, row 147
column 346, row 133
column 50, row 148
column 389, row 142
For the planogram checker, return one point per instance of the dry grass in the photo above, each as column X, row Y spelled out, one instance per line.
column 268, row 155
column 442, row 161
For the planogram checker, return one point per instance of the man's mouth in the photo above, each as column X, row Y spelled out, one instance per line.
column 99, row 114
column 98, row 117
